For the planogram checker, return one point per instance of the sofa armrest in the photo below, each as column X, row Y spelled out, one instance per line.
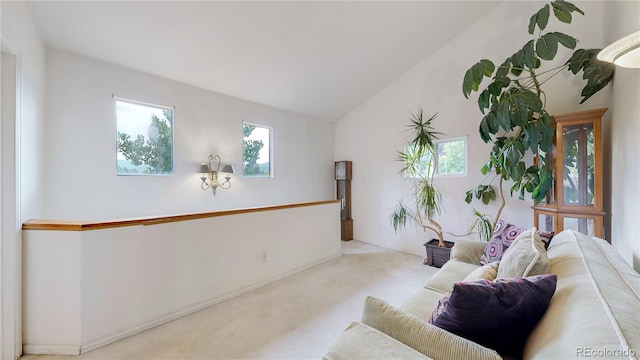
column 360, row 341
column 468, row 251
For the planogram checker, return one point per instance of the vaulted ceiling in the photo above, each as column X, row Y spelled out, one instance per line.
column 320, row 59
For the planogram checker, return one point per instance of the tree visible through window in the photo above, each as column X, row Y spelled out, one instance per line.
column 256, row 150
column 452, row 158
column 144, row 139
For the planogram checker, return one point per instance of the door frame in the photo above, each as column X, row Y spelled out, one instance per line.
column 10, row 216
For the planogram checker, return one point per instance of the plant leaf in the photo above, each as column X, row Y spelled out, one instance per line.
column 467, row 83
column 516, row 67
column 598, row 75
column 468, row 196
column 543, row 17
column 474, row 75
column 546, row 134
column 503, row 69
column 519, row 59
column 546, row 179
column 532, row 23
column 567, row 6
column 567, row 41
column 492, row 122
column 498, row 84
column 521, row 113
column 503, row 116
column 529, row 56
column 532, row 100
column 579, row 59
column 483, row 100
column 532, row 136
column 486, row 168
column 561, row 12
column 487, row 67
column 484, row 129
column 547, row 46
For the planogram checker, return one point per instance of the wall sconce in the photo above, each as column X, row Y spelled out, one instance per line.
column 209, row 176
column 624, row 52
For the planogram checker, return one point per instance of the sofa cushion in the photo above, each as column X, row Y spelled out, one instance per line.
column 484, row 272
column 451, row 272
column 420, row 335
column 469, row 251
column 497, row 314
column 526, row 257
column 503, row 236
column 422, row 303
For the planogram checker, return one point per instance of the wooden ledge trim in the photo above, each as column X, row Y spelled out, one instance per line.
column 146, row 221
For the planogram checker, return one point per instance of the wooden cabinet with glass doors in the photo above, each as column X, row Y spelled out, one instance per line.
column 576, row 199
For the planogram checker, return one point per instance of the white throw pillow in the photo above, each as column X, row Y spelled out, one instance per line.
column 526, row 257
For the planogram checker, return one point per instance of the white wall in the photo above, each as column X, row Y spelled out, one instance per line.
column 81, row 178
column 22, row 160
column 621, row 139
column 371, row 134
column 21, row 33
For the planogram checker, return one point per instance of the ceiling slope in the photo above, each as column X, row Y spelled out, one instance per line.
column 319, row 59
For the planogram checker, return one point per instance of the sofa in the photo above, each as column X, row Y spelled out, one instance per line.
column 593, row 313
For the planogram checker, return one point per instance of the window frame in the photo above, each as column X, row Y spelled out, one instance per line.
column 271, row 163
column 117, row 99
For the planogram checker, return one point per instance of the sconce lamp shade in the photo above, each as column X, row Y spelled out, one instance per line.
column 204, row 169
column 227, row 169
column 624, row 52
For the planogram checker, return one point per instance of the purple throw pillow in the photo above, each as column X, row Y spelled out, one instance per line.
column 503, row 235
column 497, row 314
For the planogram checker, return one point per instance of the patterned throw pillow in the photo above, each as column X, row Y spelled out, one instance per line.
column 498, row 314
column 503, row 235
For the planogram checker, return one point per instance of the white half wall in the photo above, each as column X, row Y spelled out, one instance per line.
column 80, row 138
column 85, row 289
column 371, row 134
column 622, row 137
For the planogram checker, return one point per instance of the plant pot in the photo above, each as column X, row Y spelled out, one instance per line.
column 436, row 255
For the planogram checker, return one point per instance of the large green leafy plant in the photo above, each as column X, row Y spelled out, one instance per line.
column 514, row 103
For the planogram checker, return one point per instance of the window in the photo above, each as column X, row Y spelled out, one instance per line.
column 144, row 139
column 256, row 150
column 451, row 158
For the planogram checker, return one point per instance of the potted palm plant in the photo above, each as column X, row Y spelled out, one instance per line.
column 419, row 165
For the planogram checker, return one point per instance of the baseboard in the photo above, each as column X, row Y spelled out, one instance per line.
column 51, row 349
column 165, row 319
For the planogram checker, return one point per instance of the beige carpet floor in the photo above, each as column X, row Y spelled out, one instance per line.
column 295, row 318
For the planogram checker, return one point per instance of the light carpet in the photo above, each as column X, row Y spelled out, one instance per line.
column 295, row 318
